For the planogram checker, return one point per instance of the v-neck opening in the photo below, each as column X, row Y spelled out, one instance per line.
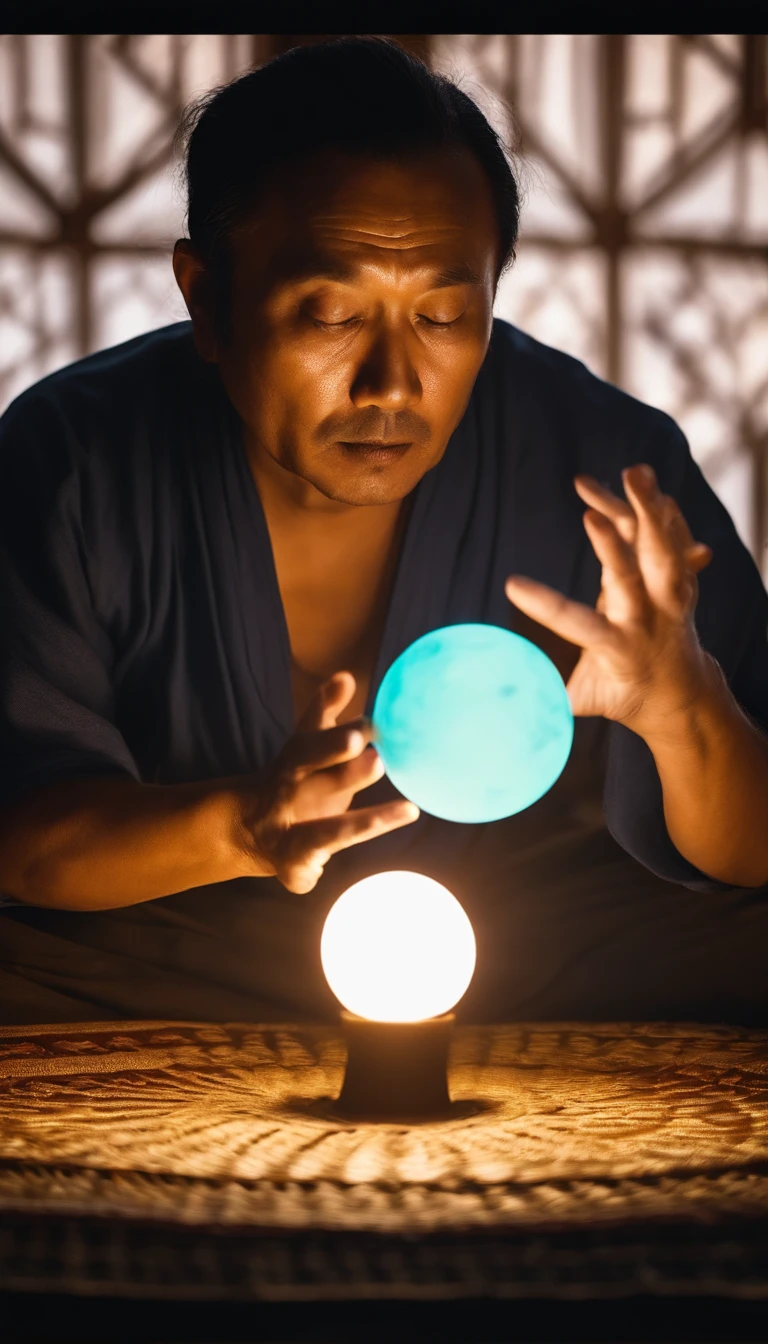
column 284, row 715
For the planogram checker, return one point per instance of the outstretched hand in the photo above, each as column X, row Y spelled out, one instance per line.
column 641, row 659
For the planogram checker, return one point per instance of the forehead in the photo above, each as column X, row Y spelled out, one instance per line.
column 336, row 215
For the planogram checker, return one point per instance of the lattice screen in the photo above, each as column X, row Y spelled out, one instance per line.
column 644, row 247
column 645, row 238
column 89, row 207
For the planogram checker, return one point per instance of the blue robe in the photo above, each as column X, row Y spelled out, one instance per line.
column 143, row 634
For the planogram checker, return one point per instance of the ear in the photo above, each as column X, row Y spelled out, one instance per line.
column 195, row 282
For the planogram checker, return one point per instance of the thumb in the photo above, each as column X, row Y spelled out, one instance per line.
column 698, row 556
column 328, row 702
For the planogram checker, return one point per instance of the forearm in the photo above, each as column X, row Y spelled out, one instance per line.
column 95, row 844
column 713, row 766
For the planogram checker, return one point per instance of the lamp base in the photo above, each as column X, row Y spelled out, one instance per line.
column 396, row 1070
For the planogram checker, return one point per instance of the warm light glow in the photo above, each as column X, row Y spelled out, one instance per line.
column 398, row 947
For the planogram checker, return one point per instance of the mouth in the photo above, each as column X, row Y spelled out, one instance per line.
column 376, row 451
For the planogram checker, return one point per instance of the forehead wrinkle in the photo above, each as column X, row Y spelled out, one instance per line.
column 387, row 232
column 315, row 263
column 341, row 272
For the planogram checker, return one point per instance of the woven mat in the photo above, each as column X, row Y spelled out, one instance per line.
column 204, row 1161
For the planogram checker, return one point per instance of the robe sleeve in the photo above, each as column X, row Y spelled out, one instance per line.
column 57, row 701
column 732, row 622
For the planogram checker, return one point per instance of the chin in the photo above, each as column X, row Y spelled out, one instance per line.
column 362, row 482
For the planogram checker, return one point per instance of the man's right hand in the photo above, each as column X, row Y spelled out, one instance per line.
column 300, row 817
column 100, row 842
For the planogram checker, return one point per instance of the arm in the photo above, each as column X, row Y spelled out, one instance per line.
column 713, row 766
column 644, row 666
column 101, row 842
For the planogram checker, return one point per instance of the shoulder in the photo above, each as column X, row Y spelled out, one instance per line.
column 113, row 388
column 83, row 447
column 557, row 396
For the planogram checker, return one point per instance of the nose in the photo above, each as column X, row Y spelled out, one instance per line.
column 386, row 376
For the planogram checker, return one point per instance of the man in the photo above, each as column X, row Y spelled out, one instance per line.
column 217, row 538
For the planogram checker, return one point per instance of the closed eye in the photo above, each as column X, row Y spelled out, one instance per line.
column 350, row 320
column 317, row 323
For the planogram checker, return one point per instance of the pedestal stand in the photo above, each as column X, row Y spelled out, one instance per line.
column 396, row 1070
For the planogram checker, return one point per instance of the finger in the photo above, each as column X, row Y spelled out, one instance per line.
column 571, row 620
column 623, row 591
column 698, row 556
column 328, row 702
column 308, row 752
column 302, row 878
column 695, row 553
column 659, row 556
column 649, row 503
column 602, row 498
column 354, row 775
column 316, row 793
column 311, row 843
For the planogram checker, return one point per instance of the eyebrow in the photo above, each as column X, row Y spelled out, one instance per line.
column 336, row 269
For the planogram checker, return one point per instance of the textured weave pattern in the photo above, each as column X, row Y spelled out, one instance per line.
column 601, row 1159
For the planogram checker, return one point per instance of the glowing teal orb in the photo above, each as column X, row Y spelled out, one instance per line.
column 473, row 723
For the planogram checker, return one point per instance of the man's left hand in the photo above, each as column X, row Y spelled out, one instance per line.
column 641, row 661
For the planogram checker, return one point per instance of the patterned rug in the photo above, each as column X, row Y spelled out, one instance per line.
column 195, row 1161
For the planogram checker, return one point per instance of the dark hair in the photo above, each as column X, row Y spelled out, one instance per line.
column 362, row 95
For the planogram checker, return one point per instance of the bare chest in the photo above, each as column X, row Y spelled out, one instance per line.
column 335, row 599
column 333, row 632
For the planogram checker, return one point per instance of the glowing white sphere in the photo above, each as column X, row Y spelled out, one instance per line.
column 398, row 947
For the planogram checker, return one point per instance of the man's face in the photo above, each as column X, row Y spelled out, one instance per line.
column 361, row 309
